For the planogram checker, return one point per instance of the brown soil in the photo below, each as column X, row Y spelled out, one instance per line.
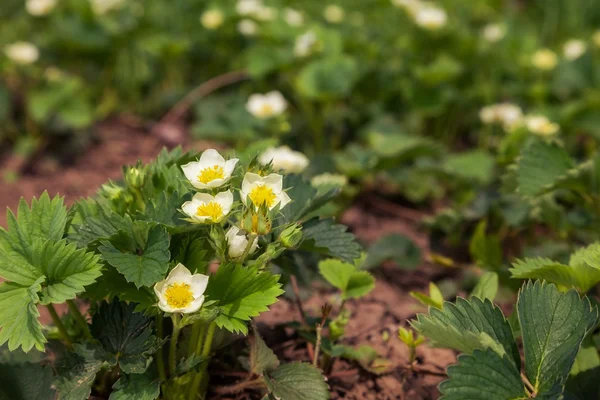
column 375, row 318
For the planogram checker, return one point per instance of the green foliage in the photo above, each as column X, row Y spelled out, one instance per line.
column 487, row 287
column 346, row 277
column 77, row 372
column 262, row 357
column 242, row 293
column 297, row 381
column 485, row 249
column 435, row 298
column 26, row 382
column 330, row 239
column 396, row 248
column 140, row 386
column 19, row 316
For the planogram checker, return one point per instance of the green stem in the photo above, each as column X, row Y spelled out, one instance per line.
column 205, row 353
column 61, row 328
column 251, row 239
column 200, row 340
column 160, row 360
column 194, row 338
column 173, row 347
column 79, row 319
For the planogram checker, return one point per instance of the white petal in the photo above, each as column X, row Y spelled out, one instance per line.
column 210, row 158
column 158, row 289
column 250, row 180
column 255, row 103
column 194, row 306
column 190, row 208
column 225, row 199
column 179, row 274
column 216, row 183
column 229, row 167
column 199, row 283
column 191, row 171
column 165, row 307
column 202, row 198
column 283, row 199
column 274, row 181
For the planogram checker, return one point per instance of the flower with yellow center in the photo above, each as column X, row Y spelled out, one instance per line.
column 541, row 126
column 264, row 190
column 544, row 59
column 204, row 208
column 211, row 171
column 265, row 106
column 182, row 291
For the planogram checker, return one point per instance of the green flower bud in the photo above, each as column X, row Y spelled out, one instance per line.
column 135, row 177
column 291, row 236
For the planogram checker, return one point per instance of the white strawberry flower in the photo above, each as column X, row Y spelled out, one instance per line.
column 264, row 190
column 431, row 17
column 182, row 291
column 237, row 241
column 23, row 53
column 212, row 19
column 247, row 27
column 304, row 44
column 293, row 17
column 205, row 208
column 249, row 7
column 541, row 125
column 494, row 32
column 39, row 8
column 334, row 14
column 573, row 49
column 544, row 59
column 285, row 159
column 211, row 171
column 410, row 6
column 267, row 105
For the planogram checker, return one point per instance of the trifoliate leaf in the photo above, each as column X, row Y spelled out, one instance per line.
column 242, row 293
column 331, row 239
column 484, row 375
column 139, row 387
column 396, row 248
column 125, row 335
column 487, row 287
column 297, row 381
column 540, row 165
column 144, row 260
column 553, row 325
column 19, row 325
column 26, row 382
column 485, row 249
column 352, row 282
column 77, row 371
column 262, row 357
column 579, row 274
column 469, row 325
column 99, row 223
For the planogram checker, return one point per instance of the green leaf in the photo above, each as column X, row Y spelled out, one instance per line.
column 330, row 77
column 585, row 374
column 540, row 166
column 145, row 264
column 188, row 364
column 138, row 387
column 77, row 372
column 297, row 381
column 396, row 248
column 435, row 298
column 125, row 335
column 485, row 249
column 553, row 325
column 331, row 239
column 347, row 278
column 469, row 325
column 476, row 165
column 19, row 325
column 46, row 220
column 484, row 375
column 579, row 275
column 26, row 382
column 262, row 357
column 487, row 287
column 242, row 293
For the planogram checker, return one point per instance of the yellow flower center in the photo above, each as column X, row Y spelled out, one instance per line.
column 179, row 295
column 262, row 194
column 212, row 210
column 211, row 173
column 266, row 110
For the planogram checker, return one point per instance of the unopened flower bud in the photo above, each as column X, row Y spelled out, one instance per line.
column 291, row 236
column 135, row 177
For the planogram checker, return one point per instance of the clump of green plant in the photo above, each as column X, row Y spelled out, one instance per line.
column 158, row 271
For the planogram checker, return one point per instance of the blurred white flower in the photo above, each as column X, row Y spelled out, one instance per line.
column 494, row 32
column 329, row 179
column 540, row 125
column 237, row 241
column 267, row 105
column 22, row 52
column 182, row 291
column 596, row 38
column 266, row 14
column 293, row 17
column 264, row 190
column 247, row 27
column 431, row 17
column 284, row 159
column 410, row 6
column 334, row 14
column 101, row 7
column 304, row 44
column 573, row 49
column 211, row 171
column 204, row 208
column 544, row 59
column 212, row 19
column 39, row 8
column 507, row 114
column 249, row 7
column 488, row 115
